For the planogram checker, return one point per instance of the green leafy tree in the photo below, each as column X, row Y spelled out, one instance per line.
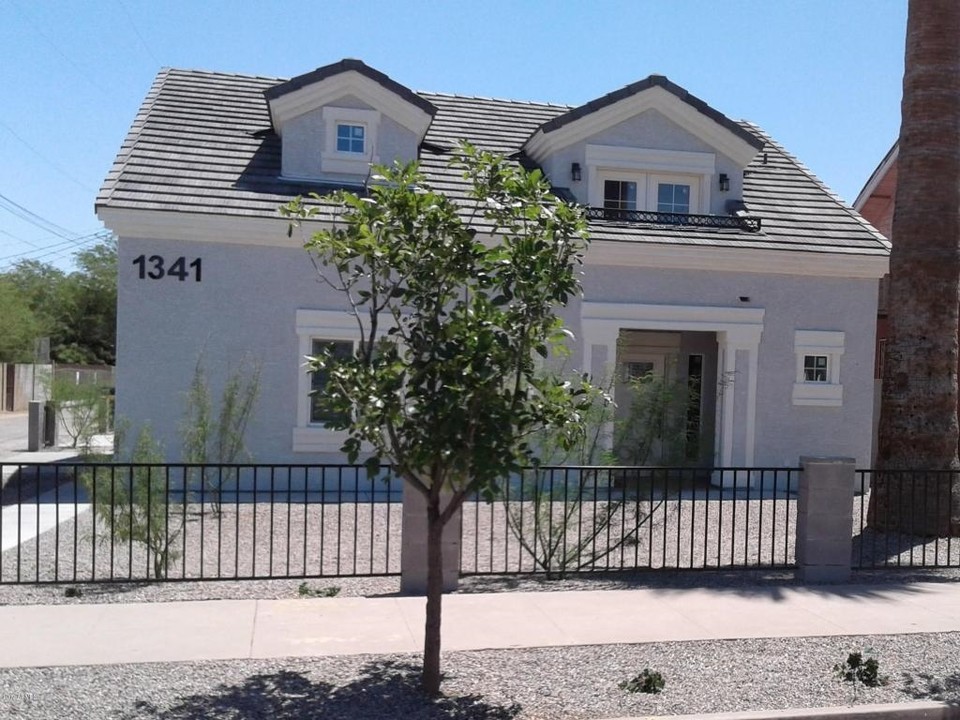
column 443, row 383
column 81, row 409
column 19, row 326
column 77, row 311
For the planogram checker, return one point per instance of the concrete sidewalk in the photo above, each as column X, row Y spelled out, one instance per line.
column 82, row 634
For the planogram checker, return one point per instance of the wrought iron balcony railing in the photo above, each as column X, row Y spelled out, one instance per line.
column 733, row 222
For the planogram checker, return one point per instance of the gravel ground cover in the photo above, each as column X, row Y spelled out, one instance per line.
column 541, row 684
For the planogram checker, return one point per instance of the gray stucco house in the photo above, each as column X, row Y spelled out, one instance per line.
column 717, row 258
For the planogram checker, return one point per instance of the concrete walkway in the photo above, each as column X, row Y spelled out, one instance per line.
column 81, row 634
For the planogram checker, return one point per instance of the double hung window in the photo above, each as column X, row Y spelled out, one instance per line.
column 673, row 198
column 619, row 195
column 319, row 379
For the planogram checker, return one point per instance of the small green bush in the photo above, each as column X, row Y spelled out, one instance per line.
column 859, row 669
column 306, row 590
column 649, row 681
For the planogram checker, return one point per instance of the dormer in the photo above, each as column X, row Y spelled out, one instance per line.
column 337, row 121
column 648, row 152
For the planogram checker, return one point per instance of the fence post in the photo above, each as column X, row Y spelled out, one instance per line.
column 35, row 426
column 413, row 546
column 825, row 519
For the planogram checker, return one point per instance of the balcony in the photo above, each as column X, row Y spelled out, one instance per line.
column 644, row 217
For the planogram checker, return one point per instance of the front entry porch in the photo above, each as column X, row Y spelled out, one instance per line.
column 712, row 349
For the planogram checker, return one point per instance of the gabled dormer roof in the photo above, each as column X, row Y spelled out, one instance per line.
column 655, row 92
column 349, row 77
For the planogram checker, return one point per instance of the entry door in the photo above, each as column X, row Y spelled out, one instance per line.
column 637, row 436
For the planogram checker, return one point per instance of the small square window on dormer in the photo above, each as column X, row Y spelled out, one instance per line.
column 350, row 138
column 350, row 145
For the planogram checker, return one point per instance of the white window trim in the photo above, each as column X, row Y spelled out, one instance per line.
column 318, row 325
column 829, row 343
column 332, row 161
column 647, row 168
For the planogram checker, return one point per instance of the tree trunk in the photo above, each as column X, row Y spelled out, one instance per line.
column 431, row 635
column 918, row 420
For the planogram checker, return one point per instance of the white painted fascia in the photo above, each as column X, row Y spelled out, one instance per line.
column 196, row 227
column 542, row 145
column 350, row 83
column 736, row 259
column 272, row 232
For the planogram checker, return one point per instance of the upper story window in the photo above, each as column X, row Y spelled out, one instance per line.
column 350, row 138
column 673, row 198
column 350, row 145
column 619, row 195
column 662, row 181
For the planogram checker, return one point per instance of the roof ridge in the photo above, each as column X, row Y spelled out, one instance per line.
column 493, row 99
column 222, row 73
column 801, row 166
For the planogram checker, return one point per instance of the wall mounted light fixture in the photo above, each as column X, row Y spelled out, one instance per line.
column 575, row 172
column 724, row 182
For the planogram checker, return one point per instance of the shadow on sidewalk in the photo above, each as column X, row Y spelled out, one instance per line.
column 385, row 689
column 776, row 585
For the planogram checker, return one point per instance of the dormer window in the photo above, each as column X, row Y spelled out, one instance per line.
column 619, row 195
column 673, row 198
column 350, row 138
column 661, row 181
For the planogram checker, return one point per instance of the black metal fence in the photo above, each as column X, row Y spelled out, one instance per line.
column 907, row 522
column 560, row 520
column 65, row 523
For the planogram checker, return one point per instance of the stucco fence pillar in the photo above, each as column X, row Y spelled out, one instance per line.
column 825, row 519
column 413, row 545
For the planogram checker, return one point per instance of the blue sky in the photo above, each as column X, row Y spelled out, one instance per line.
column 823, row 77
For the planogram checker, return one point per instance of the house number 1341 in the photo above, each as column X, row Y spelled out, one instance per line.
column 155, row 267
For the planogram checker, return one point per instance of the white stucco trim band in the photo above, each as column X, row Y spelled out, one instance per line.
column 736, row 329
column 272, row 232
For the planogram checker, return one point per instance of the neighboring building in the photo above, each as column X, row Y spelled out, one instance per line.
column 717, row 258
column 875, row 202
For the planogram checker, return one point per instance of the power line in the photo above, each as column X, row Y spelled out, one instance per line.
column 56, row 47
column 47, row 160
column 15, row 208
column 136, row 32
column 58, row 249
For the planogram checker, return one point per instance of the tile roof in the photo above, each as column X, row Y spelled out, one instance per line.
column 202, row 143
column 645, row 84
column 347, row 65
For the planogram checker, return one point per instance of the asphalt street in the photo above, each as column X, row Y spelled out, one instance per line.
column 13, row 434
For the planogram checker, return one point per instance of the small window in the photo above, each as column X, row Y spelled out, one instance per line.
column 619, row 195
column 318, row 380
column 818, row 354
column 350, row 138
column 673, row 198
column 815, row 368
